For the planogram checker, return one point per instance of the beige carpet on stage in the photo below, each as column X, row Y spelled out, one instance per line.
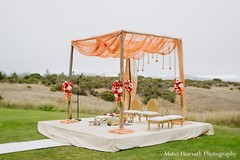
column 81, row 134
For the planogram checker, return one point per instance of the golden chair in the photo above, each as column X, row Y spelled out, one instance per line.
column 136, row 107
column 152, row 110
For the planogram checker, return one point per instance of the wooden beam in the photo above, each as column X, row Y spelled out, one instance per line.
column 71, row 62
column 70, row 75
column 123, row 31
column 150, row 35
column 130, row 78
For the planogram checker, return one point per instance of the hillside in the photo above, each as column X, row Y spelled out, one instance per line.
column 216, row 99
column 27, row 94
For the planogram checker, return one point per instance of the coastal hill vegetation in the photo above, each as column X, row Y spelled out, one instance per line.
column 214, row 101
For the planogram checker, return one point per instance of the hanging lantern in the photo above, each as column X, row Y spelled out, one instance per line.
column 170, row 62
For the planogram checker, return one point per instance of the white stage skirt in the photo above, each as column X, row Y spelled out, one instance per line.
column 81, row 134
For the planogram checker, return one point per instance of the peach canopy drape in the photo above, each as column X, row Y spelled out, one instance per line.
column 134, row 47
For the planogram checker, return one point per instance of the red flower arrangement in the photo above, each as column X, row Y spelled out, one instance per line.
column 128, row 86
column 178, row 87
column 117, row 91
column 67, row 89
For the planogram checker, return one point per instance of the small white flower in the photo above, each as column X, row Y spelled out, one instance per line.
column 180, row 85
column 69, row 88
column 120, row 90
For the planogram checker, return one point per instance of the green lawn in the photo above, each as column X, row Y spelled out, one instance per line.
column 21, row 125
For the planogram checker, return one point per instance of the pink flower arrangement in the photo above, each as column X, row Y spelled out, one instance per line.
column 67, row 89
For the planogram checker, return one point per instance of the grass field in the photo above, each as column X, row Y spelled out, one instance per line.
column 21, row 125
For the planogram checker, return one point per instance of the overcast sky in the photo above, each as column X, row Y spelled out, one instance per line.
column 36, row 35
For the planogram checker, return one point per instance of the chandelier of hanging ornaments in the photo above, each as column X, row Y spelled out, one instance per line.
column 67, row 89
column 156, row 60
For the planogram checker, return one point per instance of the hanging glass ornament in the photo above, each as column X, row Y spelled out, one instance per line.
column 163, row 62
column 138, row 66
column 148, row 59
column 156, row 57
column 138, row 63
column 170, row 62
column 143, row 63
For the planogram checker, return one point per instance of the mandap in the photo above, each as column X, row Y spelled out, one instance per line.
column 131, row 47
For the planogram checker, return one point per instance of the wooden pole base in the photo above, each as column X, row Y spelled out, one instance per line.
column 121, row 131
column 184, row 122
column 68, row 121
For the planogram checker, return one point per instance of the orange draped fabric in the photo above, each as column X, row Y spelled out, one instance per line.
column 135, row 45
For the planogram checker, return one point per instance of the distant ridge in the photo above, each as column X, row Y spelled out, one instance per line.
column 231, row 78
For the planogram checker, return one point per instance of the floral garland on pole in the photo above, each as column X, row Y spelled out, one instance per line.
column 117, row 91
column 128, row 85
column 67, row 89
column 178, row 87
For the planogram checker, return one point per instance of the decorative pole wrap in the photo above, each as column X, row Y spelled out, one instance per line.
column 67, row 89
column 117, row 91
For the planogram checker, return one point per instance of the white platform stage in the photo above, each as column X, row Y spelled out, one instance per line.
column 81, row 134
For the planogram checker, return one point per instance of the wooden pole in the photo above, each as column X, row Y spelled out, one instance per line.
column 122, row 79
column 71, row 62
column 70, row 76
column 181, row 76
column 69, row 109
column 130, row 78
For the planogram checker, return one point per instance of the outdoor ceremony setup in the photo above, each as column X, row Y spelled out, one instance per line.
column 134, row 125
